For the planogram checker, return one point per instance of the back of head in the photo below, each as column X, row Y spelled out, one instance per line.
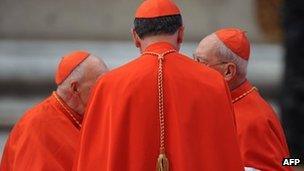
column 76, row 74
column 167, row 25
column 227, row 51
column 236, row 40
column 68, row 63
column 157, row 18
column 234, row 46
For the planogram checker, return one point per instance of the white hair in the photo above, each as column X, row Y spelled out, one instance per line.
column 227, row 55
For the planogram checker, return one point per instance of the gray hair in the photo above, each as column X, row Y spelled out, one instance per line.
column 227, row 55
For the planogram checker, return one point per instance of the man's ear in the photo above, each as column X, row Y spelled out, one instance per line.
column 180, row 36
column 135, row 37
column 231, row 72
column 75, row 87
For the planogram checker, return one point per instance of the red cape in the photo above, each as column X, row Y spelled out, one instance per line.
column 45, row 139
column 262, row 140
column 121, row 127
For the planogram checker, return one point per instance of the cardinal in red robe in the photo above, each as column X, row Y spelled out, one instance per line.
column 261, row 137
column 161, row 111
column 46, row 137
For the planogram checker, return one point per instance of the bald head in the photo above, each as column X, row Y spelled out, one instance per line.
column 75, row 89
column 215, row 54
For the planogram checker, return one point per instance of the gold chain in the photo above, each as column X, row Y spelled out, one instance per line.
column 67, row 110
column 163, row 162
column 160, row 96
column 244, row 94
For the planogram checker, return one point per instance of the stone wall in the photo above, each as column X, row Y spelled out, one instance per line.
column 105, row 19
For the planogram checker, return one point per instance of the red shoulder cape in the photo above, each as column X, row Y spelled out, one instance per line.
column 262, row 140
column 121, row 127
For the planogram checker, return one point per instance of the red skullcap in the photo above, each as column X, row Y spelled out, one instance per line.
column 236, row 40
column 157, row 8
column 68, row 63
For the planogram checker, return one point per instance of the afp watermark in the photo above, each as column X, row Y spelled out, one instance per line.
column 291, row 162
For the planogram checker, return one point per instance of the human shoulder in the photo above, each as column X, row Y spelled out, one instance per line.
column 204, row 71
column 121, row 69
column 257, row 116
column 35, row 117
column 139, row 67
column 257, row 106
column 201, row 77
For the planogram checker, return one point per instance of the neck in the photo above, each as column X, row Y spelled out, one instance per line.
column 172, row 39
column 235, row 84
column 69, row 100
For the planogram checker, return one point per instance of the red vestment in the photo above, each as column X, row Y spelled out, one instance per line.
column 261, row 137
column 45, row 139
column 121, row 128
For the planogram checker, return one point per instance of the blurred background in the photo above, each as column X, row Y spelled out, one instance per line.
column 35, row 34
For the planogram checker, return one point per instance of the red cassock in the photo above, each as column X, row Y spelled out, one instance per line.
column 45, row 139
column 261, row 137
column 121, row 128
